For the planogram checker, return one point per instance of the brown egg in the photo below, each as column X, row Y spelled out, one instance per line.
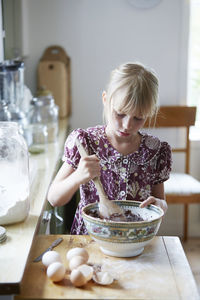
column 77, row 278
column 77, row 252
column 87, row 271
column 76, row 261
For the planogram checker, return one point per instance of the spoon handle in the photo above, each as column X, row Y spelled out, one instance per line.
column 81, row 149
column 106, row 207
column 96, row 180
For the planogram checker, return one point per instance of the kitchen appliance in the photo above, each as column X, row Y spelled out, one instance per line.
column 12, row 89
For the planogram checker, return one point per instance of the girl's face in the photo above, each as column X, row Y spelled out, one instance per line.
column 124, row 126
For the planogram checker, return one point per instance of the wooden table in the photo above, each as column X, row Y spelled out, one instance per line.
column 160, row 272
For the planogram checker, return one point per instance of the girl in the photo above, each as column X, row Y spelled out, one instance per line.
column 131, row 164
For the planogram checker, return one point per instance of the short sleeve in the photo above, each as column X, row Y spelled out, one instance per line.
column 163, row 164
column 71, row 154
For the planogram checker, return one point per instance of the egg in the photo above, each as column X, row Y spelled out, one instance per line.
column 76, row 261
column 86, row 270
column 77, row 252
column 56, row 271
column 50, row 257
column 77, row 278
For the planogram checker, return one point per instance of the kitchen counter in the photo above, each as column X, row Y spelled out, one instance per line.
column 160, row 272
column 15, row 251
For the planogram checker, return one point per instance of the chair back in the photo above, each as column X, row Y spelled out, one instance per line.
column 176, row 116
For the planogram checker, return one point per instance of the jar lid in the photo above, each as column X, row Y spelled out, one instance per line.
column 42, row 91
column 11, row 65
column 3, row 235
column 42, row 101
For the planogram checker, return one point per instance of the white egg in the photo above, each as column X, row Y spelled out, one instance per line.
column 56, row 271
column 77, row 278
column 50, row 257
column 76, row 261
column 77, row 252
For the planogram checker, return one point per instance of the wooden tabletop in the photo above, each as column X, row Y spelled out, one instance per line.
column 15, row 250
column 160, row 272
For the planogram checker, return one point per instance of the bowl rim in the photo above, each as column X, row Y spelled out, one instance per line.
column 106, row 222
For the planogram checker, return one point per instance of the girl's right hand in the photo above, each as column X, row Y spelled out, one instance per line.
column 88, row 168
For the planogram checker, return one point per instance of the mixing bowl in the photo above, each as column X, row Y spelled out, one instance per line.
column 123, row 239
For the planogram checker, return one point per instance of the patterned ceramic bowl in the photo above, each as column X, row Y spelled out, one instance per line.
column 123, row 239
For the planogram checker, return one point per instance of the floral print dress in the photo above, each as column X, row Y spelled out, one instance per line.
column 123, row 177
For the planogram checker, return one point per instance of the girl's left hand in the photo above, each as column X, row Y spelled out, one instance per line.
column 156, row 201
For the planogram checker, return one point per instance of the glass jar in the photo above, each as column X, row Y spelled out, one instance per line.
column 12, row 88
column 14, row 174
column 5, row 114
column 36, row 136
column 44, row 111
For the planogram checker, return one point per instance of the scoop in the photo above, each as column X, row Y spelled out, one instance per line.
column 106, row 207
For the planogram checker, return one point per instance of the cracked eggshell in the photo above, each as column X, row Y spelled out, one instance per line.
column 76, row 261
column 77, row 278
column 103, row 278
column 87, row 271
column 50, row 257
column 56, row 271
column 77, row 252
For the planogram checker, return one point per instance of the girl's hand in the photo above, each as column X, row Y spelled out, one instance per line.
column 156, row 201
column 88, row 168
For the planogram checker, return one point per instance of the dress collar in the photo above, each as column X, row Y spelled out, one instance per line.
column 149, row 147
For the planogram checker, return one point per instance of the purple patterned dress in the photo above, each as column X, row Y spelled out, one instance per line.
column 123, row 176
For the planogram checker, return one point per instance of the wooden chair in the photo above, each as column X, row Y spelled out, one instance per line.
column 181, row 188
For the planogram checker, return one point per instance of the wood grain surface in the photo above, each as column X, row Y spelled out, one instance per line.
column 160, row 272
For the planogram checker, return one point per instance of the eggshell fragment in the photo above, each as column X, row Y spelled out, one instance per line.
column 76, row 261
column 50, row 257
column 77, row 278
column 56, row 271
column 86, row 270
column 103, row 278
column 77, row 252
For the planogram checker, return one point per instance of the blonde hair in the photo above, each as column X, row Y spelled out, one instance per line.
column 132, row 87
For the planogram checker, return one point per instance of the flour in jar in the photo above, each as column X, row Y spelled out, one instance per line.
column 14, row 193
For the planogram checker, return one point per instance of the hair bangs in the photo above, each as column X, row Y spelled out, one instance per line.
column 138, row 100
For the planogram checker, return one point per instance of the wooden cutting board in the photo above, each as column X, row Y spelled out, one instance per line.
column 160, row 272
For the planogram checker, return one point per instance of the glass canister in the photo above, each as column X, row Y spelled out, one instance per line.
column 12, row 88
column 36, row 137
column 5, row 114
column 14, row 174
column 44, row 111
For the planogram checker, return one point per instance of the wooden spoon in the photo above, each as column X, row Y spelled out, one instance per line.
column 106, row 207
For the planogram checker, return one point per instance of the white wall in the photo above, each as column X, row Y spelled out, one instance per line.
column 99, row 35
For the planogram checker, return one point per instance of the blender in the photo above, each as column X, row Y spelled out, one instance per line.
column 12, row 89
